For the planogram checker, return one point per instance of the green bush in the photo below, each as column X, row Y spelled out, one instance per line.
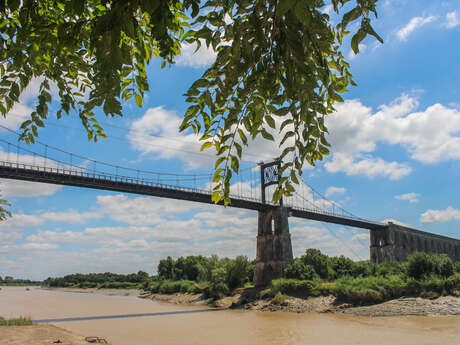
column 216, row 290
column 443, row 265
column 170, row 287
column 293, row 287
column 298, row 270
column 319, row 262
column 279, row 298
column 420, row 265
column 457, row 267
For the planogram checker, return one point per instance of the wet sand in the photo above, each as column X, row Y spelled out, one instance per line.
column 165, row 325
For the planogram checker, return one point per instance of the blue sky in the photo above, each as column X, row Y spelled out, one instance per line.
column 395, row 155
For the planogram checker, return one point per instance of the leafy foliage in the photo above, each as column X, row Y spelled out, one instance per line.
column 231, row 273
column 277, row 61
column 94, row 52
column 4, row 213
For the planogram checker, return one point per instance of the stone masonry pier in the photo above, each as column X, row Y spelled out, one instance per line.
column 396, row 242
column 274, row 249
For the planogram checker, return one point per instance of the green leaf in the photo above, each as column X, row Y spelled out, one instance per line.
column 139, row 100
column 270, row 121
column 206, row 145
column 266, row 135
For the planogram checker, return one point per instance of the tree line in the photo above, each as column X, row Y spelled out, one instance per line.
column 313, row 274
column 99, row 280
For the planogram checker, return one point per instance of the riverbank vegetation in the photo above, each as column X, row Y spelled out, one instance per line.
column 312, row 274
column 10, row 281
column 21, row 321
column 105, row 280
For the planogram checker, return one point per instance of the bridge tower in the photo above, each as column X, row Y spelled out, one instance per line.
column 274, row 248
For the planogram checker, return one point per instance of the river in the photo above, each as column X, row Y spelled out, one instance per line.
column 127, row 320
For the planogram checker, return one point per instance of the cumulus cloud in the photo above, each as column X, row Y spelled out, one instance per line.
column 440, row 216
column 16, row 188
column 452, row 20
column 414, row 24
column 190, row 57
column 430, row 136
column 335, row 190
column 367, row 166
column 411, row 197
column 22, row 221
column 157, row 134
column 144, row 210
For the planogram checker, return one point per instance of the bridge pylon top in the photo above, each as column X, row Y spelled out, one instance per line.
column 269, row 175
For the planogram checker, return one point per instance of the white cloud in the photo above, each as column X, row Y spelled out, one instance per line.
column 16, row 188
column 367, row 166
column 190, row 57
column 414, row 24
column 335, row 190
column 411, row 197
column 429, row 136
column 144, row 210
column 157, row 134
column 20, row 220
column 452, row 20
column 440, row 216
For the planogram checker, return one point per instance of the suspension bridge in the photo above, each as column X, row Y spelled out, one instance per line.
column 252, row 189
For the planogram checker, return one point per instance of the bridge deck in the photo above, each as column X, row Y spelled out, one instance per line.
column 25, row 172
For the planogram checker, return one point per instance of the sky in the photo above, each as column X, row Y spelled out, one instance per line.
column 395, row 155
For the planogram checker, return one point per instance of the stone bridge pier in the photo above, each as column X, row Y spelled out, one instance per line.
column 396, row 243
column 274, row 249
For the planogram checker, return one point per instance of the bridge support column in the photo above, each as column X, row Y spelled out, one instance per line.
column 274, row 248
column 382, row 246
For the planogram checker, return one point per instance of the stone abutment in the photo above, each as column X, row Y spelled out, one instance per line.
column 396, row 243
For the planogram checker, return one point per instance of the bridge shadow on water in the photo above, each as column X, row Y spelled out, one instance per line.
column 124, row 316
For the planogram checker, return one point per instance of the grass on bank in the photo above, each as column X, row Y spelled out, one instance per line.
column 21, row 321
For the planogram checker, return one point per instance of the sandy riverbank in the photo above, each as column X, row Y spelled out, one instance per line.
column 442, row 306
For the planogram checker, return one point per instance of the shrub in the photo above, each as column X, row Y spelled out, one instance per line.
column 342, row 266
column 457, row 267
column 216, row 290
column 361, row 269
column 237, row 272
column 420, row 265
column 443, row 265
column 319, row 262
column 279, row 299
column 293, row 287
column 298, row 270
column 452, row 284
column 389, row 268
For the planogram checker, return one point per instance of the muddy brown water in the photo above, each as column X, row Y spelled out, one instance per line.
column 127, row 320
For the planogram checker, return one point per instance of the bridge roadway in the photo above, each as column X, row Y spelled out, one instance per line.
column 104, row 181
